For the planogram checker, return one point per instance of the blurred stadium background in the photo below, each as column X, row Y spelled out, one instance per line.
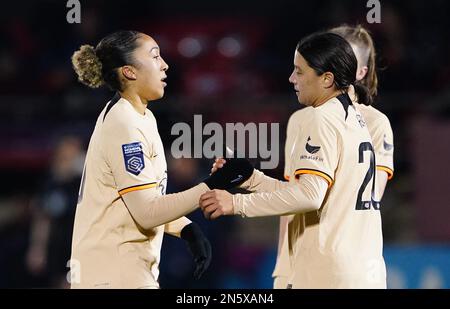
column 229, row 61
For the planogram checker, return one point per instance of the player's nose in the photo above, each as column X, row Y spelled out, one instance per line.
column 291, row 78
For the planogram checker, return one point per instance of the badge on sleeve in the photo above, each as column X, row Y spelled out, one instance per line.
column 133, row 157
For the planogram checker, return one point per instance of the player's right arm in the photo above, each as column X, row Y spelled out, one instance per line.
column 150, row 210
column 128, row 155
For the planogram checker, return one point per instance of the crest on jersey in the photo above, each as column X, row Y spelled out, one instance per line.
column 133, row 157
column 311, row 149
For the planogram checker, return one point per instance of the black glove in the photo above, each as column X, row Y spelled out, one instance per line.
column 232, row 174
column 199, row 246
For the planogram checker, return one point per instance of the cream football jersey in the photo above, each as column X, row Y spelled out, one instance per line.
column 340, row 245
column 380, row 131
column 282, row 266
column 109, row 250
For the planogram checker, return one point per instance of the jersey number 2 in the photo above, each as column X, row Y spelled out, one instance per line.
column 360, row 203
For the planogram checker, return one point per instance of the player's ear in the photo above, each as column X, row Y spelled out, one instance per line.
column 361, row 73
column 327, row 80
column 128, row 72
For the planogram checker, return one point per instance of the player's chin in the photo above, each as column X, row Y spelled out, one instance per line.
column 157, row 94
column 161, row 90
column 304, row 102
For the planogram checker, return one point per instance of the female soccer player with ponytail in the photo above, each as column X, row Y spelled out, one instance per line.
column 122, row 210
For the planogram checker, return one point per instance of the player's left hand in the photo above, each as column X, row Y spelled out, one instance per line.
column 199, row 246
column 216, row 203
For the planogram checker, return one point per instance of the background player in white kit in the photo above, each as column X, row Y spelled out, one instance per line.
column 122, row 210
column 334, row 235
column 378, row 124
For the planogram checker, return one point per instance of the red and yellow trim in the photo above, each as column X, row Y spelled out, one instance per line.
column 286, row 177
column 138, row 187
column 386, row 169
column 315, row 172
